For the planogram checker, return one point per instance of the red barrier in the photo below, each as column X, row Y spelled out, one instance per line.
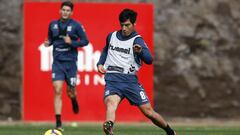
column 99, row 19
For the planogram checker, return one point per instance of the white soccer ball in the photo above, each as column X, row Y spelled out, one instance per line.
column 74, row 124
column 53, row 132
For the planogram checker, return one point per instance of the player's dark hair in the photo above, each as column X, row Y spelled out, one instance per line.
column 67, row 3
column 128, row 14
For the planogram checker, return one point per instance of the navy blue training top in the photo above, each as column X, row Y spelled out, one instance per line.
column 62, row 51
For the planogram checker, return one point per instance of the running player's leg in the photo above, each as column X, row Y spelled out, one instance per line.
column 58, row 81
column 71, row 79
column 58, row 85
column 72, row 94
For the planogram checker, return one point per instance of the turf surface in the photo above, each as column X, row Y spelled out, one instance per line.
column 121, row 129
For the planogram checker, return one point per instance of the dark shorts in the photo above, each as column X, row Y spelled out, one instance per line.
column 132, row 91
column 65, row 70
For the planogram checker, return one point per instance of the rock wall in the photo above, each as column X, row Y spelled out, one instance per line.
column 197, row 66
column 196, row 58
column 10, row 59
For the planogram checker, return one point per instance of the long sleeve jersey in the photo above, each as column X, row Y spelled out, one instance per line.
column 62, row 51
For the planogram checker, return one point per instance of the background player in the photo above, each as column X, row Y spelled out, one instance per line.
column 64, row 35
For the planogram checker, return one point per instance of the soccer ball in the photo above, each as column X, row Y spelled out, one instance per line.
column 53, row 132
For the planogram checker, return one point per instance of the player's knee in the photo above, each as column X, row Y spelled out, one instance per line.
column 58, row 92
column 148, row 112
column 71, row 93
column 110, row 104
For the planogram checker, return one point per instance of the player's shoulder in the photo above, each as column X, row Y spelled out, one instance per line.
column 136, row 34
column 110, row 34
column 139, row 40
column 76, row 22
column 53, row 24
column 54, row 21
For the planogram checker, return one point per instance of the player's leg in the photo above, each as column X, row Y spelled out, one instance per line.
column 58, row 85
column 71, row 79
column 58, row 81
column 72, row 94
column 111, row 103
column 156, row 118
column 136, row 95
column 112, row 98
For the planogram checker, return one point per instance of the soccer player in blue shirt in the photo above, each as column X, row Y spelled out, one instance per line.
column 120, row 60
column 66, row 35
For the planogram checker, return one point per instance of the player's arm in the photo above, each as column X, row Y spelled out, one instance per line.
column 83, row 38
column 49, row 41
column 142, row 51
column 103, row 56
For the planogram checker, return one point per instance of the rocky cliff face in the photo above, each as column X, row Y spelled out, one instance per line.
column 197, row 68
column 10, row 59
column 196, row 58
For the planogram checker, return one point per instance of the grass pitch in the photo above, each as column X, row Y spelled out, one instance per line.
column 120, row 129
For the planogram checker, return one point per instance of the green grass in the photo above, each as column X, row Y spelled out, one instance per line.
column 121, row 129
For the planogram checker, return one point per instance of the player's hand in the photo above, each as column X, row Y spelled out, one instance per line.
column 137, row 48
column 67, row 39
column 101, row 69
column 46, row 43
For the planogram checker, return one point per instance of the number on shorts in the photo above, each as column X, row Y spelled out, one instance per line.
column 142, row 94
column 73, row 81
